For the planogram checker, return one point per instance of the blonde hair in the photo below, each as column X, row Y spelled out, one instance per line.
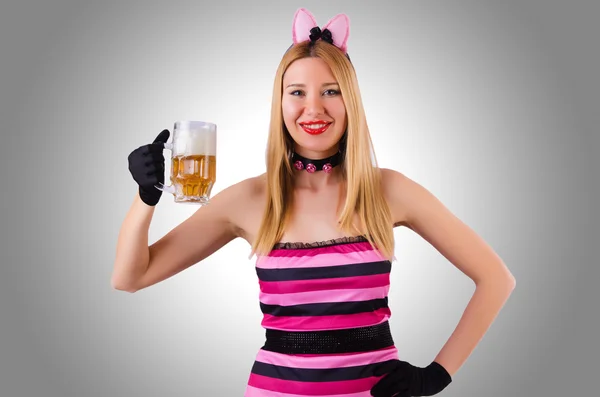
column 364, row 196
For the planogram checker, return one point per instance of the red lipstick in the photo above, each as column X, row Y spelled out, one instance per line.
column 315, row 127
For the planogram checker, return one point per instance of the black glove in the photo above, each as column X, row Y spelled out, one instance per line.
column 147, row 166
column 406, row 380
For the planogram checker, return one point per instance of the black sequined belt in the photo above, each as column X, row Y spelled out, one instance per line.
column 352, row 340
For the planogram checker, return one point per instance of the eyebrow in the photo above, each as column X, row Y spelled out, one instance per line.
column 302, row 85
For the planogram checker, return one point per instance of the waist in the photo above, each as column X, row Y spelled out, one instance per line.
column 351, row 340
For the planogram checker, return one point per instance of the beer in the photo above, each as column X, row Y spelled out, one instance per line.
column 193, row 162
column 193, row 175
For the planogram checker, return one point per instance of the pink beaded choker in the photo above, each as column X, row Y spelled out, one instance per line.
column 325, row 165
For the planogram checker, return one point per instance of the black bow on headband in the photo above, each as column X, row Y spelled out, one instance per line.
column 316, row 34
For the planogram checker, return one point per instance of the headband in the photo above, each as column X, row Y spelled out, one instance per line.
column 335, row 31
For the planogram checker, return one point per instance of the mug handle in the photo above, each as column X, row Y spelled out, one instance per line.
column 161, row 186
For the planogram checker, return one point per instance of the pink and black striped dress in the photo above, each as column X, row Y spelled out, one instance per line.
column 325, row 311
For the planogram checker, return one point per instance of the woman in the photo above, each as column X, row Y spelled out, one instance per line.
column 320, row 221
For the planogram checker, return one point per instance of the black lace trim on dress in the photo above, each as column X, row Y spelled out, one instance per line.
column 325, row 243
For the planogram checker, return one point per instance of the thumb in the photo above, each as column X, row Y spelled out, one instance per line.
column 163, row 137
column 385, row 367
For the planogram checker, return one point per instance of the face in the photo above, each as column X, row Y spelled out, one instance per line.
column 313, row 109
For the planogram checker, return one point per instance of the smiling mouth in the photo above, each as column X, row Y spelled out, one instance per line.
column 315, row 129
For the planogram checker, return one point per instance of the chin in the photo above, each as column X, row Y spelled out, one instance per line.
column 318, row 143
column 317, row 146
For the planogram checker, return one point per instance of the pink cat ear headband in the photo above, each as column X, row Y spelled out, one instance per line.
column 335, row 32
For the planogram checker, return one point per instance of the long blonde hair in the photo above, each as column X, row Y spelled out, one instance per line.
column 364, row 196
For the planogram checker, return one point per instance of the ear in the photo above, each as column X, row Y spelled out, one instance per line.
column 339, row 26
column 304, row 21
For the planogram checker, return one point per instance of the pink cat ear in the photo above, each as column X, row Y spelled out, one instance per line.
column 304, row 21
column 339, row 26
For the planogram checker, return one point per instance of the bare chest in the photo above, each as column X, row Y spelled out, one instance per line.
column 314, row 217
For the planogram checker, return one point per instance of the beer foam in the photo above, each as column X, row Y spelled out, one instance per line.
column 195, row 139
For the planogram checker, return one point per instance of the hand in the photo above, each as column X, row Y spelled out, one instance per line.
column 406, row 380
column 147, row 166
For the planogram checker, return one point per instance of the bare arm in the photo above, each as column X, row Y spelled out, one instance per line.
column 138, row 265
column 423, row 213
column 132, row 255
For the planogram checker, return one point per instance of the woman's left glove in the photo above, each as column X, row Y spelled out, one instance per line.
column 406, row 380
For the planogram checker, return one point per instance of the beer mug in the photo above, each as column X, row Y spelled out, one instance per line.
column 193, row 162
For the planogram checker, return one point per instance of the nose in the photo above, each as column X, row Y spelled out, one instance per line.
column 313, row 105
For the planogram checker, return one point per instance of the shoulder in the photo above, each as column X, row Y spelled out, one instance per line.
column 243, row 204
column 394, row 190
column 406, row 197
column 251, row 186
column 391, row 180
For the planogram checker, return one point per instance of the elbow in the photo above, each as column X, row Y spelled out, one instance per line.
column 506, row 284
column 122, row 286
column 510, row 281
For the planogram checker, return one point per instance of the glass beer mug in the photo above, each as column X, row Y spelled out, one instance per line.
column 193, row 162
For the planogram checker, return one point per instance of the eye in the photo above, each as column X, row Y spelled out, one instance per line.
column 330, row 92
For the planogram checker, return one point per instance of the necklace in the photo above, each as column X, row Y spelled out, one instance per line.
column 310, row 165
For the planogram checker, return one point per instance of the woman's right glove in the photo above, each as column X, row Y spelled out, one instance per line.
column 147, row 166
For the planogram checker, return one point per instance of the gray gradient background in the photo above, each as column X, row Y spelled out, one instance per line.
column 491, row 105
